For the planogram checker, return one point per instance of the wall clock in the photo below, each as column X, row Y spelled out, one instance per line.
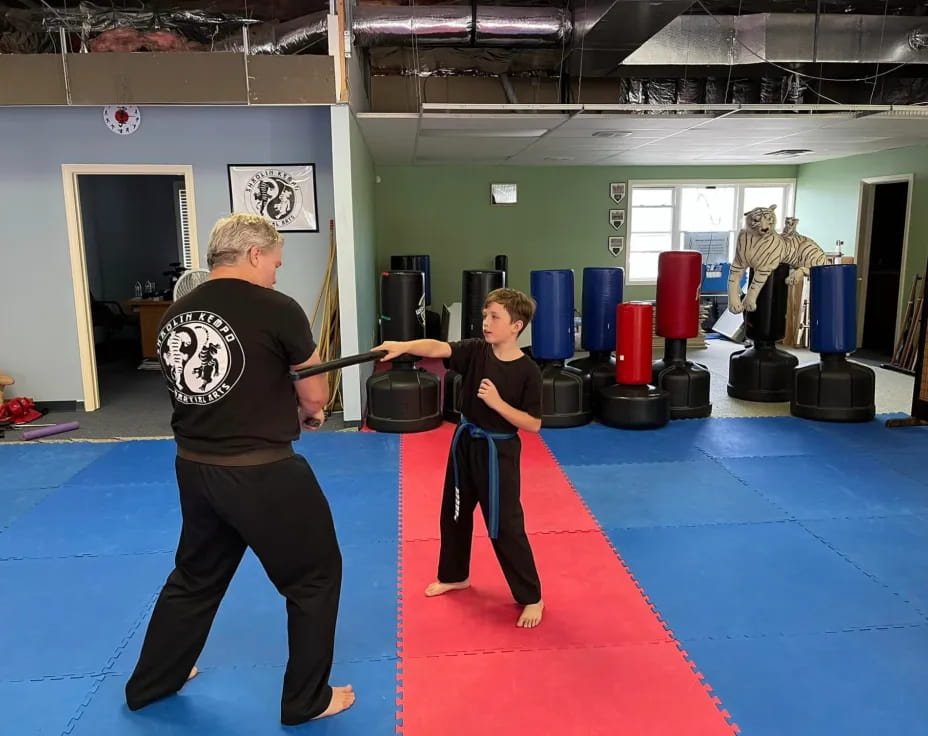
column 122, row 119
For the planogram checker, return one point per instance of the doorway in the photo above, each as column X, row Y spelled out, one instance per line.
column 883, row 239
column 131, row 230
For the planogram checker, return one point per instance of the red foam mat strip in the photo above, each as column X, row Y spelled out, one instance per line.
column 602, row 662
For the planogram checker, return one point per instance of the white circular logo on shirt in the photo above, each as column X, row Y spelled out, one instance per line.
column 201, row 357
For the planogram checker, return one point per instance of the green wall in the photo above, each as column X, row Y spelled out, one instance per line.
column 362, row 192
column 560, row 221
column 827, row 201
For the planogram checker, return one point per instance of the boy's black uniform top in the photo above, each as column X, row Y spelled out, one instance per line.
column 225, row 350
column 519, row 385
column 518, row 382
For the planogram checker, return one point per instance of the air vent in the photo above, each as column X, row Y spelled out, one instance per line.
column 610, row 133
column 786, row 152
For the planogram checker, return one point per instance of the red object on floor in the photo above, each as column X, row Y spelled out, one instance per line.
column 602, row 661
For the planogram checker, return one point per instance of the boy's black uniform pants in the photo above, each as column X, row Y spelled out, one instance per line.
column 511, row 546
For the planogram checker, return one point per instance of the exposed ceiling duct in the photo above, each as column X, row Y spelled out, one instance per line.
column 607, row 31
column 786, row 38
column 422, row 26
column 460, row 25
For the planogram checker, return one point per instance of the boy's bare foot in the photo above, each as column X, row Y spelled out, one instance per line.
column 342, row 699
column 438, row 588
column 531, row 615
column 193, row 673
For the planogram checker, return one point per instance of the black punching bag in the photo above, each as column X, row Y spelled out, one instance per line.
column 402, row 305
column 475, row 287
column 763, row 372
column 404, row 398
column 415, row 263
column 502, row 264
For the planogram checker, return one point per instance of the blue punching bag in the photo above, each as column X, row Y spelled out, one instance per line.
column 833, row 308
column 565, row 391
column 553, row 325
column 602, row 293
column 835, row 389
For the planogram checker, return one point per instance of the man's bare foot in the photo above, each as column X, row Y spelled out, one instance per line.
column 438, row 588
column 531, row 615
column 342, row 699
column 193, row 673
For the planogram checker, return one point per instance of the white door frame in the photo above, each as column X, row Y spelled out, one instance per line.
column 864, row 227
column 69, row 174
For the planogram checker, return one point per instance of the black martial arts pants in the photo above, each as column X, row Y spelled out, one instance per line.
column 280, row 512
column 511, row 546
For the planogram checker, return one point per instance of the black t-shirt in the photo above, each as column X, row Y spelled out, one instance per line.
column 518, row 382
column 226, row 350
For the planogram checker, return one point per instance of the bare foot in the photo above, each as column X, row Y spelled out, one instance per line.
column 531, row 615
column 438, row 588
column 342, row 699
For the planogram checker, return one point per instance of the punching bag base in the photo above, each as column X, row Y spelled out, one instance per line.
column 834, row 390
column 600, row 367
column 688, row 386
column 762, row 373
column 451, row 403
column 565, row 397
column 633, row 407
column 403, row 400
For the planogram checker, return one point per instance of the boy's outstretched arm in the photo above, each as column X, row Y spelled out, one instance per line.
column 422, row 348
column 517, row 417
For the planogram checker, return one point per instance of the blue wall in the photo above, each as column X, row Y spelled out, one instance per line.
column 38, row 303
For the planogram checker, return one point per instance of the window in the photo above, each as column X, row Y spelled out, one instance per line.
column 705, row 215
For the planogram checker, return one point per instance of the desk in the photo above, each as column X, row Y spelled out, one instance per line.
column 150, row 312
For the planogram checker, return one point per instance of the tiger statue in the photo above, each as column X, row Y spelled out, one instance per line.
column 762, row 249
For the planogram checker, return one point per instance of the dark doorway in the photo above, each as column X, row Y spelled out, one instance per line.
column 884, row 270
column 133, row 235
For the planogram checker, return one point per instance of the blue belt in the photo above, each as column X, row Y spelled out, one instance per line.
column 490, row 437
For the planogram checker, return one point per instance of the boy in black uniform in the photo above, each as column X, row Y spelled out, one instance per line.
column 226, row 351
column 501, row 394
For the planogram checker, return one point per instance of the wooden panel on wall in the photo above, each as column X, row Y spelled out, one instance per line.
column 32, row 79
column 153, row 78
column 183, row 78
column 307, row 79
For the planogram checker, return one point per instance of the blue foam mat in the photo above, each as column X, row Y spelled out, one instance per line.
column 47, row 465
column 827, row 486
column 16, row 503
column 910, row 464
column 251, row 624
column 243, row 702
column 350, row 452
column 752, row 579
column 138, row 461
column 893, row 550
column 597, row 444
column 656, row 494
column 364, row 505
column 874, row 436
column 69, row 616
column 97, row 520
column 762, row 437
column 43, row 707
column 858, row 683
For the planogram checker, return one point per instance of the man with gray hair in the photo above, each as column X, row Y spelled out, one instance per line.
column 227, row 349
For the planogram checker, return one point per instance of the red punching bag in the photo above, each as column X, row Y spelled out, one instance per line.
column 679, row 277
column 633, row 325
